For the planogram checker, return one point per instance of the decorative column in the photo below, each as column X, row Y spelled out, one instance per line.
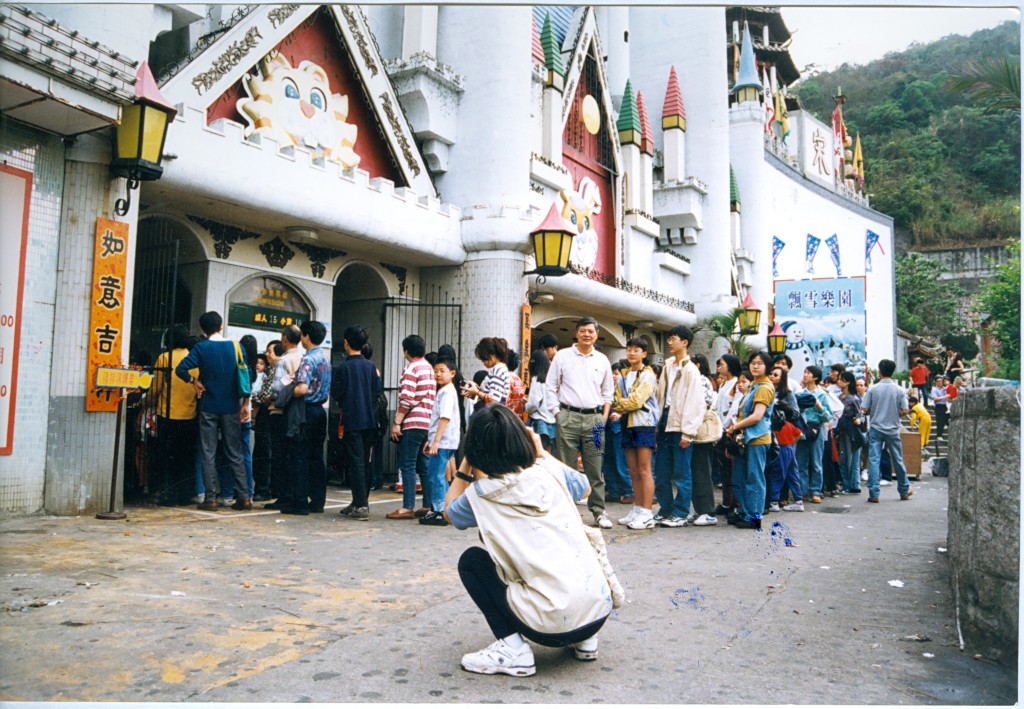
column 419, row 32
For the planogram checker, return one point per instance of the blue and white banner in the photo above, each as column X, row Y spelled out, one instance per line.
column 870, row 242
column 833, row 248
column 813, row 243
column 825, row 322
column 777, row 246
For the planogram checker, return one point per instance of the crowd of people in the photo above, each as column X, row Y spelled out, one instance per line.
column 770, row 439
column 487, row 452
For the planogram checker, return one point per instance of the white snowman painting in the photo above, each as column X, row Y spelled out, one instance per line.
column 797, row 348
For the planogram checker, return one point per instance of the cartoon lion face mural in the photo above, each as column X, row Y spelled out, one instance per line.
column 295, row 106
column 578, row 209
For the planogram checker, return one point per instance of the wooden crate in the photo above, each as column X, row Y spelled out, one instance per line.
column 912, row 452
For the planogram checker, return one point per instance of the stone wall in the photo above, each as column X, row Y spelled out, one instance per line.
column 984, row 519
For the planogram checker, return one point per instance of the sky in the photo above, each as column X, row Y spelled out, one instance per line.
column 829, row 36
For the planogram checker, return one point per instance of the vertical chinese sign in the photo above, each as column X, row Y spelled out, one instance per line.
column 106, row 318
column 825, row 322
column 526, row 333
column 15, row 196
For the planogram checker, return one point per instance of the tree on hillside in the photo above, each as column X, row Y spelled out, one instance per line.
column 924, row 304
column 1000, row 299
column 995, row 83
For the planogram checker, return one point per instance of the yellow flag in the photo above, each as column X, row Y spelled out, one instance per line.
column 858, row 160
column 781, row 114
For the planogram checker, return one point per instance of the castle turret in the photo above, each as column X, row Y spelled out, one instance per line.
column 673, row 126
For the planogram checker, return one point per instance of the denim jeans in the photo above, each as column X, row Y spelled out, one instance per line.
column 785, row 470
column 434, row 483
column 412, row 462
column 808, row 458
column 892, row 444
column 748, row 478
column 849, row 465
column 673, row 466
column 229, row 428
column 616, row 472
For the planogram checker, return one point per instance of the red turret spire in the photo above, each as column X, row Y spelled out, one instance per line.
column 647, row 142
column 537, row 50
column 673, row 115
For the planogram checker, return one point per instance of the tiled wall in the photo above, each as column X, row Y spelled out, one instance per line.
column 22, row 473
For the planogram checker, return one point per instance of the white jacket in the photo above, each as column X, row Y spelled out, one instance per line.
column 540, row 404
column 534, row 534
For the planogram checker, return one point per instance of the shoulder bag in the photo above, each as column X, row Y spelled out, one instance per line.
column 710, row 429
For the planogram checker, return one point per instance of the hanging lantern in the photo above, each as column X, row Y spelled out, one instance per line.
column 552, row 243
column 777, row 340
column 139, row 141
column 750, row 316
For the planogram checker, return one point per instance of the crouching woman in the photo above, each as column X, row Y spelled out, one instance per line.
column 537, row 577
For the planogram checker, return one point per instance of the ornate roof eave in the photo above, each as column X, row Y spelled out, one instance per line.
column 224, row 61
column 759, row 16
column 587, row 36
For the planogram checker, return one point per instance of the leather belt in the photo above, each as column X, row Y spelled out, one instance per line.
column 577, row 410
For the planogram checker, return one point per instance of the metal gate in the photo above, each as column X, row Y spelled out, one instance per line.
column 434, row 316
column 158, row 302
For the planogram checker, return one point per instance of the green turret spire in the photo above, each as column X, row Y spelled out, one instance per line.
column 630, row 129
column 734, row 192
column 552, row 52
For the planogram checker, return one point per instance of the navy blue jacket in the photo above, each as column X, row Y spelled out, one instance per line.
column 217, row 372
column 354, row 386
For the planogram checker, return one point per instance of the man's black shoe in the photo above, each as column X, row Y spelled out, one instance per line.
column 304, row 511
column 722, row 510
column 748, row 524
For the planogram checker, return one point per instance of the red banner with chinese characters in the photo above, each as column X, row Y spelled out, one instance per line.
column 106, row 317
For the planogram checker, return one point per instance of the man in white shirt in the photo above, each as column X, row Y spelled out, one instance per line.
column 580, row 381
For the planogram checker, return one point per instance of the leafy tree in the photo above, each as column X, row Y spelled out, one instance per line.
column 924, row 304
column 1000, row 299
column 726, row 326
column 966, row 343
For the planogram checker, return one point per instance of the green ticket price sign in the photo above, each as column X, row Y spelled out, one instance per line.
column 263, row 318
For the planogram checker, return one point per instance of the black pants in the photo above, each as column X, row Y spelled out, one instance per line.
column 703, row 495
column 356, row 447
column 261, row 454
column 309, row 482
column 941, row 419
column 480, row 577
column 724, row 465
column 280, row 478
column 176, row 439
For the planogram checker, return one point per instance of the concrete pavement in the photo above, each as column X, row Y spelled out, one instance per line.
column 180, row 605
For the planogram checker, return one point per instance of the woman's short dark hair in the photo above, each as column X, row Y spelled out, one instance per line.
column 764, row 357
column 513, row 360
column 702, row 364
column 746, row 375
column 815, row 372
column 783, row 388
column 732, row 363
column 849, row 377
column 539, row 365
column 498, row 442
column 177, row 337
column 492, row 346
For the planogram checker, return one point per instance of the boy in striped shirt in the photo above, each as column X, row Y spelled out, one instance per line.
column 412, row 421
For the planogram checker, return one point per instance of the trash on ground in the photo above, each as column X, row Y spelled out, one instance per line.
column 177, row 593
column 917, row 638
column 928, row 655
column 896, row 584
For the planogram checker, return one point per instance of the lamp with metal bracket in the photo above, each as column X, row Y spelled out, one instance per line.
column 749, row 316
column 140, row 136
column 552, row 244
column 777, row 340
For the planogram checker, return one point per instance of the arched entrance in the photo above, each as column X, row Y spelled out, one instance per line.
column 359, row 296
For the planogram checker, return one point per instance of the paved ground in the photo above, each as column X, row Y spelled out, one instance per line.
column 180, row 605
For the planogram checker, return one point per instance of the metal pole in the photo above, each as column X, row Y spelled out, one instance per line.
column 112, row 513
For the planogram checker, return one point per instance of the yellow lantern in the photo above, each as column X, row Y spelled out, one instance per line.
column 749, row 317
column 139, row 141
column 552, row 243
column 777, row 340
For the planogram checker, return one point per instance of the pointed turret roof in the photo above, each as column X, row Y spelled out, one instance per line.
column 647, row 137
column 628, row 124
column 552, row 50
column 536, row 49
column 673, row 114
column 747, row 77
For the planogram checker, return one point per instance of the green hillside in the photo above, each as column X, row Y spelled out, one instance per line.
column 947, row 171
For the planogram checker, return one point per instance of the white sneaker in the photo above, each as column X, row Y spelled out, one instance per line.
column 674, row 522
column 864, row 475
column 795, row 507
column 775, row 507
column 705, row 521
column 628, row 518
column 642, row 522
column 586, row 651
column 692, row 517
column 499, row 658
column 602, row 521
column 884, row 483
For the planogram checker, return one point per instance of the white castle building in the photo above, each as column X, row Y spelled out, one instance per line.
column 385, row 165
